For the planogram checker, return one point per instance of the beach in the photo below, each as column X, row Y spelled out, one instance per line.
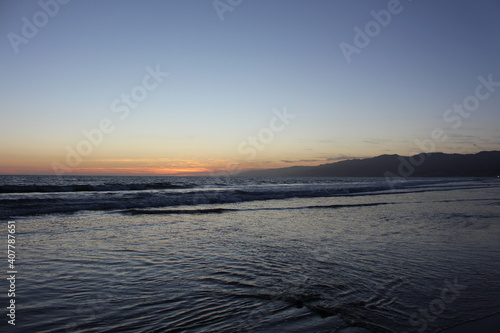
column 345, row 255
column 235, row 166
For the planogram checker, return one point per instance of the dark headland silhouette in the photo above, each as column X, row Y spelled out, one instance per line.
column 482, row 164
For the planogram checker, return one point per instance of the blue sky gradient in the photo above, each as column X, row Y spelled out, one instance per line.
column 226, row 78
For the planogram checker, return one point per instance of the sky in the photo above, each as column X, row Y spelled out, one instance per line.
column 197, row 87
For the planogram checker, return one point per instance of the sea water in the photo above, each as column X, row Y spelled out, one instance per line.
column 200, row 254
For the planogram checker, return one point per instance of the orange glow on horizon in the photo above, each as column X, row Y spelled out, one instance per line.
column 109, row 171
column 168, row 167
column 141, row 171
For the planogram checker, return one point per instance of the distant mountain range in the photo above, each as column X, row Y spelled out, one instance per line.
column 482, row 164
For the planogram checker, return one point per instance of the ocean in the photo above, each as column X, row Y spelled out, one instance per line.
column 216, row 254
